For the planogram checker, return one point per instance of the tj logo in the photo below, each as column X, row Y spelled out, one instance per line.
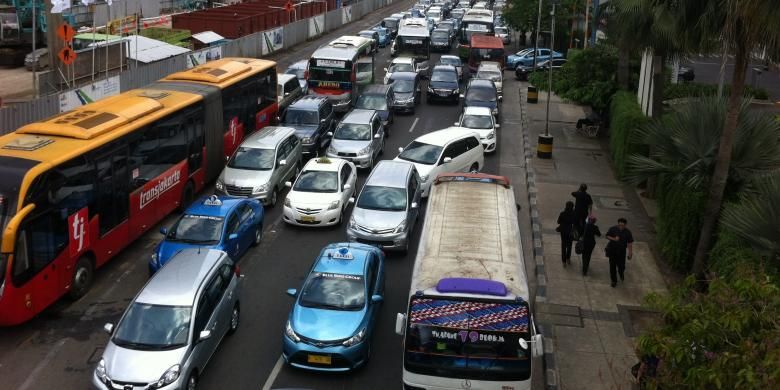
column 79, row 238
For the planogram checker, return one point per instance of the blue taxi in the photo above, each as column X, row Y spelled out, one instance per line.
column 333, row 318
column 218, row 222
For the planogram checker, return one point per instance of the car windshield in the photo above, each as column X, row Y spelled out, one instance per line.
column 403, row 86
column 300, row 117
column 391, row 23
column 421, row 153
column 450, row 61
column 317, row 181
column 382, row 198
column 196, row 229
column 401, row 68
column 372, row 102
column 153, row 327
column 353, row 132
column 299, row 73
column 325, row 290
column 252, row 159
column 440, row 35
column 477, row 122
column 444, row 76
column 481, row 94
column 500, row 30
column 489, row 74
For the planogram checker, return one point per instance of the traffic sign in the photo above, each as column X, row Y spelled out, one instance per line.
column 66, row 32
column 289, row 7
column 67, row 55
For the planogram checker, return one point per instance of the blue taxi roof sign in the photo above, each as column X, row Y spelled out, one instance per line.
column 342, row 253
column 212, row 200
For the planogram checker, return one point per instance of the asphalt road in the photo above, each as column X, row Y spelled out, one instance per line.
column 707, row 71
column 60, row 348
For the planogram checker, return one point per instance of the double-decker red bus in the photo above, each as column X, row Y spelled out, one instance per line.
column 79, row 187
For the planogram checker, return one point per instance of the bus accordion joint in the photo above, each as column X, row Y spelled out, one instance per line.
column 472, row 177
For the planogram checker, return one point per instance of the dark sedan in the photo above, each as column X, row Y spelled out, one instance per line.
column 444, row 84
column 482, row 93
column 407, row 90
column 522, row 71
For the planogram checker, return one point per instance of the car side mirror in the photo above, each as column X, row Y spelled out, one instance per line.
column 292, row 292
column 447, row 160
column 204, row 335
column 400, row 323
column 232, row 236
column 164, row 231
column 377, row 298
column 288, row 184
column 497, row 126
column 377, row 136
column 385, row 69
column 109, row 328
column 415, row 205
column 329, row 134
column 500, row 98
column 351, row 200
column 400, row 150
column 347, row 186
column 282, row 162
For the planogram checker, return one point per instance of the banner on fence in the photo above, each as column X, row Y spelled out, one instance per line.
column 89, row 93
column 346, row 14
column 124, row 25
column 201, row 56
column 316, row 25
column 272, row 41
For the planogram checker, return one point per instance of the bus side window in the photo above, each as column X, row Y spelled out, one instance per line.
column 195, row 139
column 231, row 106
column 141, row 159
column 267, row 89
column 72, row 186
column 40, row 241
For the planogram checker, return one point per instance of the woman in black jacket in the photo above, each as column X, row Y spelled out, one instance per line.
column 589, row 234
column 565, row 227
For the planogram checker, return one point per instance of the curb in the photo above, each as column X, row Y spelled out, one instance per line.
column 550, row 368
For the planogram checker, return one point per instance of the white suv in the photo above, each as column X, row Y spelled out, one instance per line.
column 454, row 149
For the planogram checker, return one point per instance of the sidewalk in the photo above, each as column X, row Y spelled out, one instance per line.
column 591, row 327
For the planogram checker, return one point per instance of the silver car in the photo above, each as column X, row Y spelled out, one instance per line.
column 173, row 326
column 261, row 165
column 388, row 206
column 360, row 138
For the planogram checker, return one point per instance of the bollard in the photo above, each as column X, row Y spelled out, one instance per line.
column 533, row 95
column 545, row 147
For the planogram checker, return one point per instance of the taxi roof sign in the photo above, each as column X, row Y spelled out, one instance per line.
column 342, row 253
column 212, row 200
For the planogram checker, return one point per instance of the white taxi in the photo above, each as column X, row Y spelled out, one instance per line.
column 321, row 193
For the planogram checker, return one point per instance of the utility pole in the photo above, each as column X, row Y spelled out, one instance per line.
column 36, row 60
column 585, row 34
column 538, row 27
column 550, row 72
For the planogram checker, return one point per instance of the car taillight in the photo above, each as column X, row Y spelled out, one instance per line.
column 238, row 270
column 306, row 74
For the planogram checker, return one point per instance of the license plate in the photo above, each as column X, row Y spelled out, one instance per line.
column 319, row 359
column 307, row 218
column 443, row 94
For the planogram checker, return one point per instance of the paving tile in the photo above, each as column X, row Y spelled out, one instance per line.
column 552, row 308
column 584, row 371
column 567, row 292
column 584, row 339
column 614, row 339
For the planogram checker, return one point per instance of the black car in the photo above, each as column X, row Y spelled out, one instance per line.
column 522, row 71
column 312, row 117
column 686, row 73
column 379, row 97
column 482, row 93
column 440, row 40
column 444, row 84
column 407, row 90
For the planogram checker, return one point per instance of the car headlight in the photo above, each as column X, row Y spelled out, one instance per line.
column 491, row 135
column 424, row 178
column 307, row 140
column 365, row 150
column 287, row 203
column 334, row 205
column 260, row 188
column 356, row 339
column 100, row 370
column 288, row 330
column 220, row 184
column 170, row 376
column 155, row 259
column 400, row 228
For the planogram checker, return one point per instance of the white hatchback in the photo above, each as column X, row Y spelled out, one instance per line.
column 400, row 64
column 454, row 149
column 481, row 120
column 321, row 192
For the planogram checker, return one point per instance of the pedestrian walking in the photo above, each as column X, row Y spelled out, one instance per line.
column 583, row 206
column 566, row 228
column 588, row 239
column 620, row 241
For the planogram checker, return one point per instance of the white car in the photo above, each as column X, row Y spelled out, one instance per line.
column 400, row 64
column 481, row 120
column 454, row 149
column 321, row 192
column 491, row 70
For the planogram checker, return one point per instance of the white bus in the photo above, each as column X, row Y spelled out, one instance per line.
column 414, row 40
column 335, row 70
column 469, row 323
column 474, row 22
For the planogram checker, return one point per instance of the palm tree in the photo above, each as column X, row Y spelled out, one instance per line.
column 755, row 218
column 744, row 27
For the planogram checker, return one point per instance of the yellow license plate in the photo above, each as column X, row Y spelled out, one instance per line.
column 307, row 218
column 319, row 359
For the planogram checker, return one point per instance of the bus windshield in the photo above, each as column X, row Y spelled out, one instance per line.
column 468, row 339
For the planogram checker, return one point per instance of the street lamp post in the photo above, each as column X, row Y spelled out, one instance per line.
column 538, row 27
column 544, row 148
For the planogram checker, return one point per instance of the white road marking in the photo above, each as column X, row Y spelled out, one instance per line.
column 411, row 129
column 274, row 373
column 43, row 364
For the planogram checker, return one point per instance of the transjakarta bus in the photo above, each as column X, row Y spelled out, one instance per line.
column 246, row 88
column 474, row 22
column 485, row 48
column 469, row 322
column 79, row 187
column 334, row 69
column 414, row 40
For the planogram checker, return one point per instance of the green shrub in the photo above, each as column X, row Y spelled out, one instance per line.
column 683, row 90
column 625, row 117
column 731, row 257
column 678, row 223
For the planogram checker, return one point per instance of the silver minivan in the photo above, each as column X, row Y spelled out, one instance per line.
column 172, row 327
column 359, row 137
column 261, row 165
column 388, row 206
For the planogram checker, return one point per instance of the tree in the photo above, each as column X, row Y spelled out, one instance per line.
column 755, row 218
column 745, row 27
column 521, row 15
column 727, row 338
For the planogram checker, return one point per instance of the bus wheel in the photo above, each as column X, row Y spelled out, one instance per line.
column 82, row 278
column 186, row 197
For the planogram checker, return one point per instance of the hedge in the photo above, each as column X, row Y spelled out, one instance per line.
column 679, row 222
column 625, row 116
